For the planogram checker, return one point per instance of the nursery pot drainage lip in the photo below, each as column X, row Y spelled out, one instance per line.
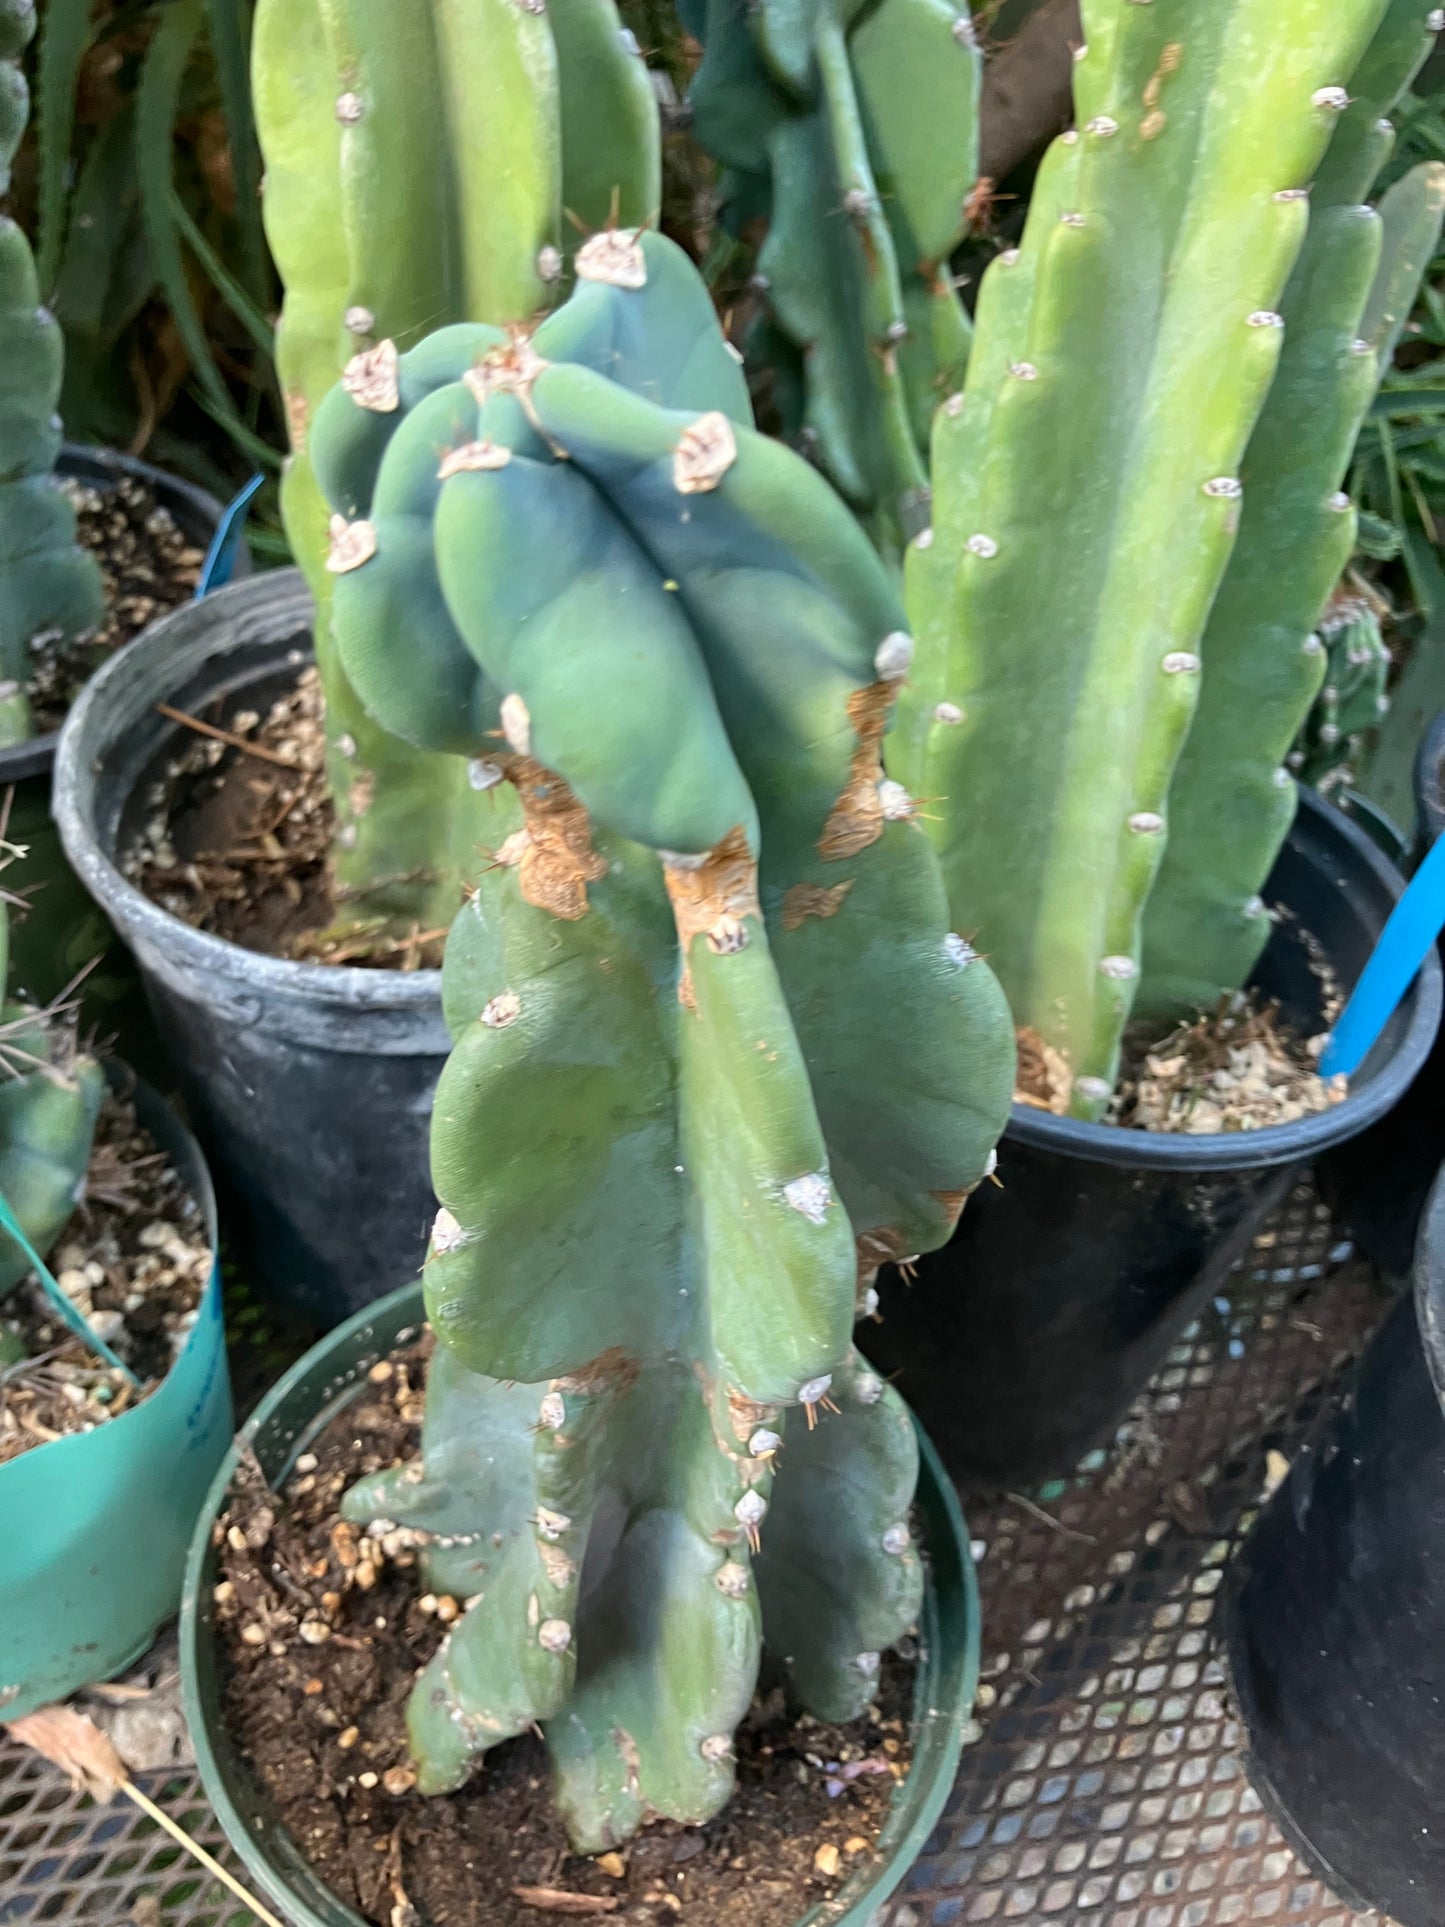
column 303, row 1403
column 89, row 843
column 196, row 513
column 1375, row 1089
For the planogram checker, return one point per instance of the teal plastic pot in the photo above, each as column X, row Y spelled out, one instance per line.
column 328, row 1379
column 94, row 1529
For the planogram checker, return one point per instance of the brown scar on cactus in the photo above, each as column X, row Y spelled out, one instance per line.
column 712, row 896
column 806, row 900
column 1152, row 125
column 856, row 819
column 745, row 1415
column 883, row 1245
column 553, row 856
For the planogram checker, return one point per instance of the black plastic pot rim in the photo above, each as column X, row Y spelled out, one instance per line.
column 342, row 987
column 36, row 757
column 1293, row 1143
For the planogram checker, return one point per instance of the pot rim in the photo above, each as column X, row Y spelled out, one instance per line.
column 1302, row 1139
column 946, row 1680
column 280, row 594
column 36, row 756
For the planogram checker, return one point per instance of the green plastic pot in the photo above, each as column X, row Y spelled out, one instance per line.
column 94, row 1529
column 329, row 1378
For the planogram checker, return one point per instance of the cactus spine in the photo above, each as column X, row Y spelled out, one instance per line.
column 1087, row 486
column 1232, row 799
column 716, row 1056
column 857, row 131
column 47, row 582
column 416, row 174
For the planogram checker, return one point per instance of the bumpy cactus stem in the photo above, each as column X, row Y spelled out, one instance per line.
column 47, row 583
column 49, row 1100
column 858, row 131
column 717, row 1056
column 1232, row 798
column 416, row 174
column 1087, row 485
column 1352, row 698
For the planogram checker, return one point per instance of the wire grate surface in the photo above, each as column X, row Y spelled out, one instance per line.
column 1103, row 1785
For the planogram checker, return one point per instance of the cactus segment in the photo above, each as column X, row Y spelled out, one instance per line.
column 1410, row 214
column 47, row 1122
column 1352, row 698
column 47, row 582
column 1364, row 138
column 49, row 1102
column 828, row 120
column 839, row 1577
column 695, row 1098
column 1061, row 601
column 1232, row 801
column 416, row 176
column 502, row 1510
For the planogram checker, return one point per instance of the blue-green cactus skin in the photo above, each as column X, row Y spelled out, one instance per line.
column 717, row 1055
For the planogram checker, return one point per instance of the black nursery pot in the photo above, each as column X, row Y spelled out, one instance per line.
column 310, row 1084
column 63, row 931
column 1377, row 1186
column 1023, row 1342
column 1334, row 1618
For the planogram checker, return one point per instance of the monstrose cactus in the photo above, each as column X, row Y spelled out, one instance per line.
column 717, row 1054
column 854, row 130
column 47, row 583
column 1116, row 522
column 419, row 159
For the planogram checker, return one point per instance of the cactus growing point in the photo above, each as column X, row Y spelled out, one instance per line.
column 717, row 1055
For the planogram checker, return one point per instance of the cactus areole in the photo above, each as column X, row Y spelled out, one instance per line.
column 717, row 1054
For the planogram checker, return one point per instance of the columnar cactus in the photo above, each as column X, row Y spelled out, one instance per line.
column 856, row 132
column 417, row 174
column 47, row 583
column 49, row 1101
column 717, row 1055
column 1087, row 489
column 1232, row 797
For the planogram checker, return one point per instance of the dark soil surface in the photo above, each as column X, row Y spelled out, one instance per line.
column 237, row 842
column 134, row 1261
column 324, row 1628
column 147, row 567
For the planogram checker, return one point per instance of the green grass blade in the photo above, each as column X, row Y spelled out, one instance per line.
column 223, row 281
column 66, row 33
column 228, row 25
column 156, row 104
